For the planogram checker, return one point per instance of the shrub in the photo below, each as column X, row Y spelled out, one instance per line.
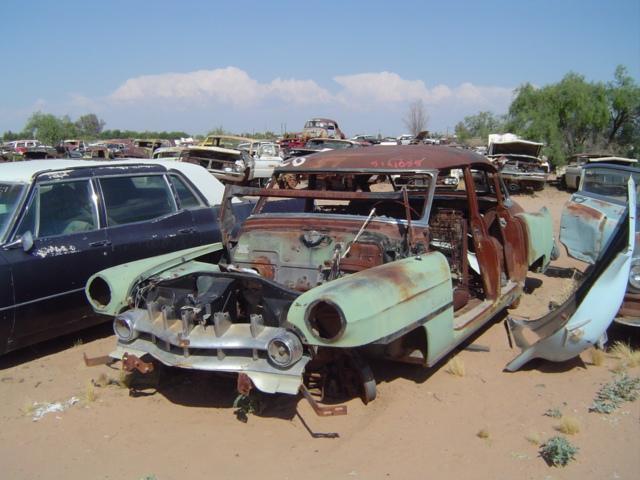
column 558, row 451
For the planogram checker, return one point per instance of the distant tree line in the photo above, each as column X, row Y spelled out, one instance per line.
column 50, row 130
column 571, row 116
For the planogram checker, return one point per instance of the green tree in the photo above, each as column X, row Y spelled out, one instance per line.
column 479, row 125
column 10, row 136
column 48, row 128
column 569, row 116
column 623, row 95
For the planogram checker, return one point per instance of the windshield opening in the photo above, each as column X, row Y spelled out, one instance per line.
column 10, row 194
column 348, row 194
column 608, row 183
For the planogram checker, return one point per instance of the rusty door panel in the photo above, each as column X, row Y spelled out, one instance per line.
column 515, row 250
column 586, row 227
column 488, row 258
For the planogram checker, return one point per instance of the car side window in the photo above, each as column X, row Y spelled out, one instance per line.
column 136, row 199
column 60, row 208
column 187, row 198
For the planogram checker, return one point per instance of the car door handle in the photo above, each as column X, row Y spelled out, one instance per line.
column 100, row 243
column 185, row 231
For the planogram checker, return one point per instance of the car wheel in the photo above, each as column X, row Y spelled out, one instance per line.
column 513, row 187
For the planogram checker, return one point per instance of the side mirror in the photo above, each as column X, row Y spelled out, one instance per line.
column 25, row 241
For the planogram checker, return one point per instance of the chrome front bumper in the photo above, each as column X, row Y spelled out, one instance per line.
column 234, row 348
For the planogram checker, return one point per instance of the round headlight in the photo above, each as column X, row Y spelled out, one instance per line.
column 325, row 320
column 284, row 350
column 634, row 275
column 123, row 326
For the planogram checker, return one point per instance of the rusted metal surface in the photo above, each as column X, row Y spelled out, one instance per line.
column 322, row 411
column 244, row 384
column 130, row 362
column 344, row 258
column 629, row 313
column 94, row 361
column 391, row 158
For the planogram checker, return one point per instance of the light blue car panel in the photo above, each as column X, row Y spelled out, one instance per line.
column 587, row 224
column 562, row 338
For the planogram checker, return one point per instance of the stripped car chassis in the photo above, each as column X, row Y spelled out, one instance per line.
column 244, row 385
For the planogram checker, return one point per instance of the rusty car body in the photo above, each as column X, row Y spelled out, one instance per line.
column 338, row 260
column 322, row 128
column 222, row 156
column 519, row 161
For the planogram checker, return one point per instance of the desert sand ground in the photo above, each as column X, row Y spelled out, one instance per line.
column 424, row 423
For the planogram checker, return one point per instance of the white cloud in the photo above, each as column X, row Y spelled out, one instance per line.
column 384, row 87
column 233, row 86
column 300, row 92
column 199, row 100
column 228, row 85
column 389, row 87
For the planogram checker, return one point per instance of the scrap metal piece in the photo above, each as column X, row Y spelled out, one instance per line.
column 101, row 360
column 475, row 347
column 582, row 320
column 130, row 362
column 316, row 434
column 320, row 410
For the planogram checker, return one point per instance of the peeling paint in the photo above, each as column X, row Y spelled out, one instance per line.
column 55, row 250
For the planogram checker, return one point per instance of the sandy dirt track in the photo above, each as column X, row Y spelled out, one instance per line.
column 424, row 423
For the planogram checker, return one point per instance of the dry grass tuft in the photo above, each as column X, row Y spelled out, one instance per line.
column 569, row 425
column 483, row 433
column 28, row 408
column 626, row 354
column 620, row 367
column 456, row 367
column 597, row 357
column 90, row 394
column 533, row 438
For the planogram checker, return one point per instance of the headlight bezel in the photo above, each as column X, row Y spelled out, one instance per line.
column 313, row 327
column 289, row 341
column 125, row 329
column 634, row 272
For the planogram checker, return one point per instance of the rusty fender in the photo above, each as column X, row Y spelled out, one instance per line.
column 377, row 305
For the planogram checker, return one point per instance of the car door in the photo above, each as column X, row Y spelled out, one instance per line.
column 143, row 218
column 6, row 302
column 68, row 247
column 591, row 215
column 204, row 217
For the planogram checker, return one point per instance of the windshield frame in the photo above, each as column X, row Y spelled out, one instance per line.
column 7, row 225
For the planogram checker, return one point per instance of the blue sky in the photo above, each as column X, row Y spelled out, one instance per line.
column 256, row 65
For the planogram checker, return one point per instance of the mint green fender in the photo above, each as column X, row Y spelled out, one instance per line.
column 108, row 291
column 540, row 240
column 383, row 303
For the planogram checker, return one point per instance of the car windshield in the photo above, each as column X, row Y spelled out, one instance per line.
column 347, row 194
column 10, row 194
column 226, row 142
column 608, row 182
column 323, row 143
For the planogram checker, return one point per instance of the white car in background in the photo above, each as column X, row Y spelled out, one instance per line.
column 405, row 139
column 569, row 176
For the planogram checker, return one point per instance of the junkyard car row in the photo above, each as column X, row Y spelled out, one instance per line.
column 307, row 267
column 347, row 254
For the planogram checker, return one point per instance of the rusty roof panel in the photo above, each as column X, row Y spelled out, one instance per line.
column 387, row 158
